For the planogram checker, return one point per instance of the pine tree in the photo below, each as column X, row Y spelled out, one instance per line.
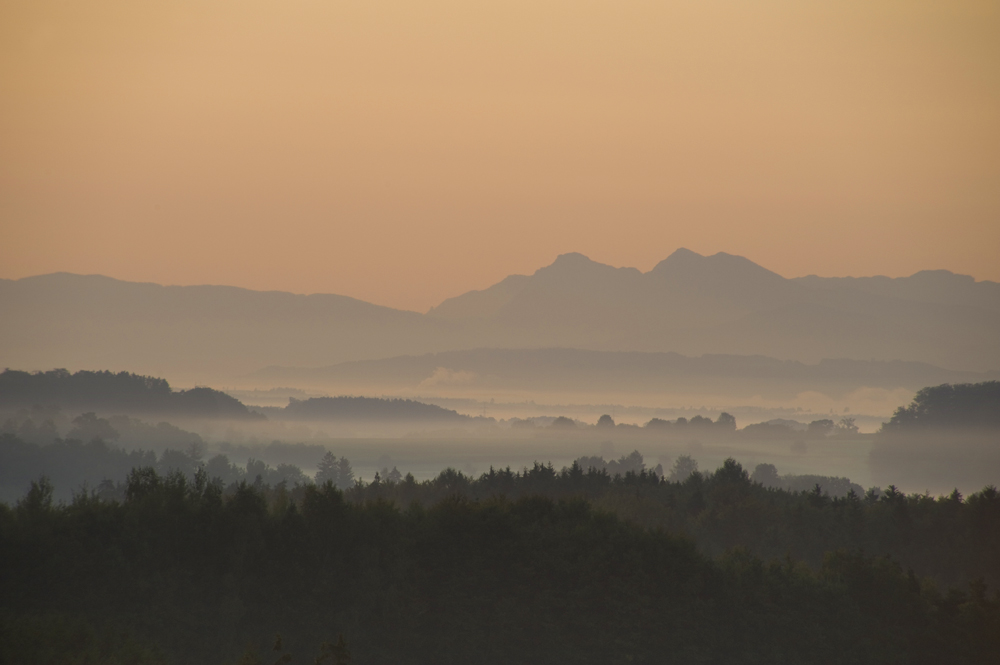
column 345, row 477
column 329, row 470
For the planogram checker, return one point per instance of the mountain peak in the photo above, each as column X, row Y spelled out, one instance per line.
column 572, row 263
column 684, row 262
column 575, row 266
column 572, row 258
column 682, row 254
column 680, row 259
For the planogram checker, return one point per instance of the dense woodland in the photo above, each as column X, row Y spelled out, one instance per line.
column 533, row 566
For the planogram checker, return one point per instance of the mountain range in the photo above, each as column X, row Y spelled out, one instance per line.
column 688, row 304
column 695, row 304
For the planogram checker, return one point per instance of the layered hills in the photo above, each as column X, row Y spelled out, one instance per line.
column 688, row 304
column 580, row 371
column 196, row 333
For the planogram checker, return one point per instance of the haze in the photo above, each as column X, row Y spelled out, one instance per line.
column 486, row 332
column 403, row 153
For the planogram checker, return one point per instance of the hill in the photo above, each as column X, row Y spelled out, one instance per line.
column 949, row 408
column 108, row 392
column 369, row 409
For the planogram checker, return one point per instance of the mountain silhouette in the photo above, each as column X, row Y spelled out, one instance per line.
column 722, row 303
column 197, row 333
column 688, row 304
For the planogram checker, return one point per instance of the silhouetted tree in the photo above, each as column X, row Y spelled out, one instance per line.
column 562, row 422
column 766, row 475
column 731, row 471
column 726, row 422
column 819, row 429
column 683, row 467
column 328, row 469
column 846, row 425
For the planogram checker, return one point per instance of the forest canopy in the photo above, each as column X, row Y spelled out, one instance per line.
column 200, row 572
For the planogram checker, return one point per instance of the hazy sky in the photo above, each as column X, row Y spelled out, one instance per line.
column 404, row 151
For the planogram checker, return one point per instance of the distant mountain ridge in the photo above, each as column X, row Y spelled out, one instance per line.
column 196, row 332
column 688, row 303
column 719, row 276
column 558, row 369
column 727, row 304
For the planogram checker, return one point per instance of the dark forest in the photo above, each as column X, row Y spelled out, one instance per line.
column 534, row 566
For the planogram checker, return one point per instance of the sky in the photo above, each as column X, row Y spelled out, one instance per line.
column 404, row 152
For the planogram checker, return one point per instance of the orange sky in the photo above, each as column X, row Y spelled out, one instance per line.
column 403, row 152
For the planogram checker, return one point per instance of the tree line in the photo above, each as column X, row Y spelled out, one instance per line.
column 188, row 571
column 951, row 538
column 121, row 392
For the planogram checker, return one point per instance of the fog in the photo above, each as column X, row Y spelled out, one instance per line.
column 472, row 436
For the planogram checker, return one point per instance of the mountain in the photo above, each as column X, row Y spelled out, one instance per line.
column 695, row 304
column 197, row 333
column 683, row 287
column 688, row 304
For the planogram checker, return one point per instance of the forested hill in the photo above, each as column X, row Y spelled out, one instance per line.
column 949, row 407
column 118, row 393
column 369, row 409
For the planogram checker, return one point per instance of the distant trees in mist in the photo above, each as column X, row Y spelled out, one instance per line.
column 369, row 409
column 724, row 423
column 95, row 465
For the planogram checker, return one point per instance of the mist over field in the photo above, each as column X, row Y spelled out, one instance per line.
column 732, row 494
column 478, row 380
